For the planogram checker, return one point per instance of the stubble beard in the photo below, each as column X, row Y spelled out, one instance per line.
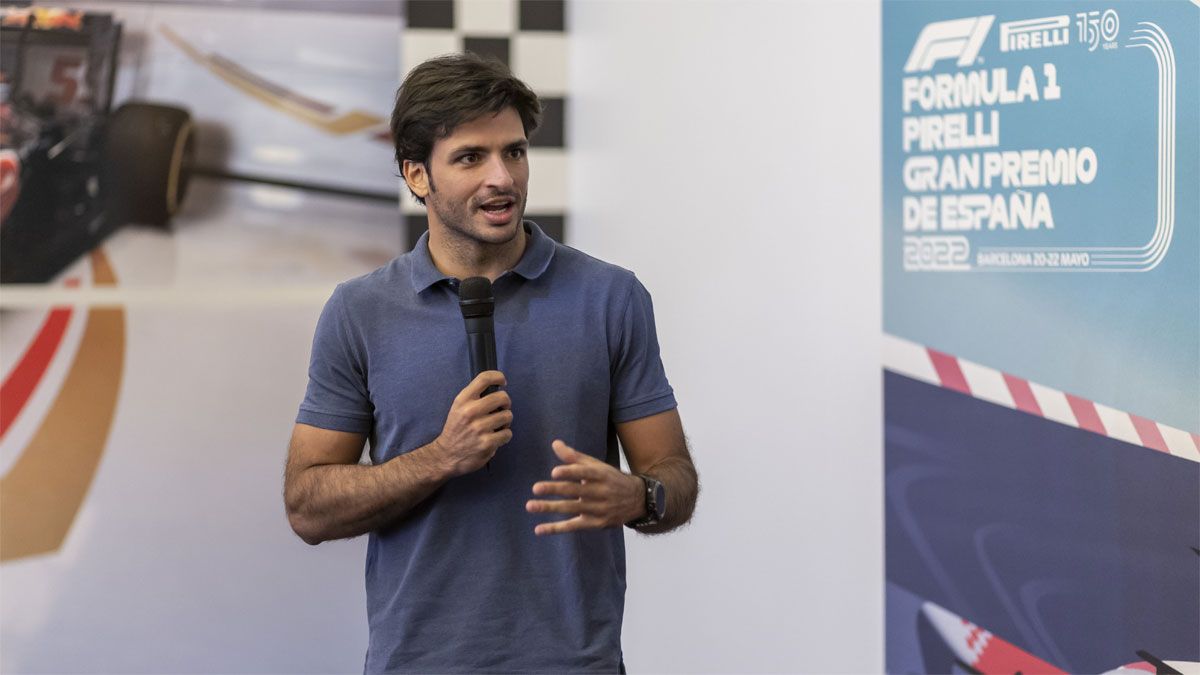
column 457, row 220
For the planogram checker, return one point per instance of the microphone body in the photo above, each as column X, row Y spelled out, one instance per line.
column 481, row 345
column 478, row 307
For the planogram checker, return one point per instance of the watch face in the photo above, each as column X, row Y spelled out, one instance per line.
column 660, row 500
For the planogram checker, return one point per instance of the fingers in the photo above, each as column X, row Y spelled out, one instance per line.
column 581, row 522
column 498, row 420
column 578, row 472
column 487, row 378
column 569, row 506
column 571, row 489
column 570, row 455
column 564, row 452
column 493, row 401
column 499, row 438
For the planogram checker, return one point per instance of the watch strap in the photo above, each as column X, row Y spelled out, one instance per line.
column 653, row 508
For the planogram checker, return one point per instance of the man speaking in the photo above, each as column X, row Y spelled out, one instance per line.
column 494, row 503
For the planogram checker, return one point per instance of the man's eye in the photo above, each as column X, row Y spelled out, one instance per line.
column 516, row 153
column 469, row 158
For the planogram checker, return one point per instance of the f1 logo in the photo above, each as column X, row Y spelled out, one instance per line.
column 957, row 38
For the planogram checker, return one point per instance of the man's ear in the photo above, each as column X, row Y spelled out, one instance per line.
column 417, row 177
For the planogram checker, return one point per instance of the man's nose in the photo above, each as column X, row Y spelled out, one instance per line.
column 498, row 174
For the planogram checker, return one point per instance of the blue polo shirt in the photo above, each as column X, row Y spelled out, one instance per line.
column 462, row 584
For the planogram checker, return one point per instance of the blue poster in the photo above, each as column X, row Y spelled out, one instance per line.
column 1041, row 265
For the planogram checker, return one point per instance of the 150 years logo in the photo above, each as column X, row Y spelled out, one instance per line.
column 1096, row 28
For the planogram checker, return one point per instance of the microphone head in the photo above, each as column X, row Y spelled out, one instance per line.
column 475, row 297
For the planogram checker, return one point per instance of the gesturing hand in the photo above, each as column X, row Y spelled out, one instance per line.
column 597, row 494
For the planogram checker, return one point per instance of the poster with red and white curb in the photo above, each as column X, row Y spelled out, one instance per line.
column 1041, row 264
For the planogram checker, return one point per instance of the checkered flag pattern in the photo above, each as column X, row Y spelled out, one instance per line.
column 530, row 37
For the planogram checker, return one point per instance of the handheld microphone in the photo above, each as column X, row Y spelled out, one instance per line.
column 477, row 305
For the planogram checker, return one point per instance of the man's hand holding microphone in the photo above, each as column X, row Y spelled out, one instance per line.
column 476, row 426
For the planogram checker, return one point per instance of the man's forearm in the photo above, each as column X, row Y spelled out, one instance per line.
column 338, row 501
column 678, row 476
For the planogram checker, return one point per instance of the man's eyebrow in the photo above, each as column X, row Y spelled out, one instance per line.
column 468, row 148
column 522, row 143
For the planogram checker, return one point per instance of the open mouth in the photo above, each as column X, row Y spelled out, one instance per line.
column 499, row 210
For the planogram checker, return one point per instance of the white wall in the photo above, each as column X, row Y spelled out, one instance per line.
column 728, row 152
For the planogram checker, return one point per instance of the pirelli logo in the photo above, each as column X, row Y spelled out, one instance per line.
column 1049, row 31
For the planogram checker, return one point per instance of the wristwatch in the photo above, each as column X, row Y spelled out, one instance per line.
column 656, row 503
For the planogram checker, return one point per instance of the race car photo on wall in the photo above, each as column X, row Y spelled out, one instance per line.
column 72, row 169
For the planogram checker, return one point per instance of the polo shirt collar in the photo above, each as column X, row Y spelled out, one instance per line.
column 539, row 250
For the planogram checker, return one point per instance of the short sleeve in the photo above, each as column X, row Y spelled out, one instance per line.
column 337, row 397
column 639, row 382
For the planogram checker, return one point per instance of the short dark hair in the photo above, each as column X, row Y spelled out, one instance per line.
column 446, row 91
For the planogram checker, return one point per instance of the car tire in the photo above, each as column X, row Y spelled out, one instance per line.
column 148, row 156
